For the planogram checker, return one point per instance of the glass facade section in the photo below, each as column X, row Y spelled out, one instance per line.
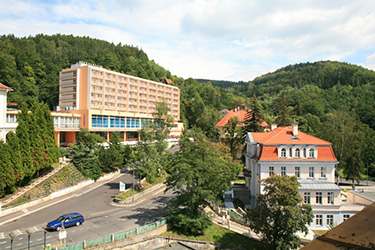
column 99, row 121
column 117, row 122
column 132, row 122
column 145, row 121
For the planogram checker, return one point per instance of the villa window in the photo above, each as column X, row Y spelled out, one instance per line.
column 283, row 171
column 271, row 171
column 323, row 172
column 297, row 172
column 283, row 153
column 297, row 153
column 319, row 220
column 318, row 198
column 311, row 172
column 311, row 153
column 307, row 197
column 330, row 220
column 330, row 198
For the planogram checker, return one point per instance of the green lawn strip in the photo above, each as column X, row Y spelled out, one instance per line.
column 319, row 232
column 226, row 238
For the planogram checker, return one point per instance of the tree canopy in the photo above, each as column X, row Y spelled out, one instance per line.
column 280, row 213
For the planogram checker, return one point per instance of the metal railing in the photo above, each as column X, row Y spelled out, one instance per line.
column 113, row 237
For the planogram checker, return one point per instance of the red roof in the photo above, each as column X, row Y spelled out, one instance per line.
column 283, row 136
column 241, row 115
column 2, row 86
column 169, row 81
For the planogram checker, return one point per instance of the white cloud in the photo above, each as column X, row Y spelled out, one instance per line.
column 217, row 39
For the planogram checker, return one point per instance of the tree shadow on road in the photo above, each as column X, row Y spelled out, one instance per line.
column 147, row 215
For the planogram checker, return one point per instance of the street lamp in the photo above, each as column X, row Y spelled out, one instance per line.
column 133, row 177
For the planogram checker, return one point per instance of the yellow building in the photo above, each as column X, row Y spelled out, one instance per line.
column 104, row 101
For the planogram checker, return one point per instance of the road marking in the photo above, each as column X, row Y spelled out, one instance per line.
column 3, row 242
column 19, row 244
column 25, row 211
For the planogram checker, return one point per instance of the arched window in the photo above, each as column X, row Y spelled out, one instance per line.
column 311, row 153
column 283, row 153
column 297, row 153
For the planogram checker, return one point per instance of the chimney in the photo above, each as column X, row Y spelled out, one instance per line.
column 295, row 129
column 273, row 126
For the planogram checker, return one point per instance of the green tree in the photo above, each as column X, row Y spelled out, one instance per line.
column 86, row 154
column 280, row 213
column 282, row 110
column 207, row 122
column 233, row 136
column 198, row 174
column 151, row 152
column 255, row 116
column 110, row 158
column 7, row 178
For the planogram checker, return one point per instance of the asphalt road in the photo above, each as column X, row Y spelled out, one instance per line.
column 101, row 217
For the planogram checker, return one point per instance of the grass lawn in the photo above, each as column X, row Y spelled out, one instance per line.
column 227, row 239
column 320, row 232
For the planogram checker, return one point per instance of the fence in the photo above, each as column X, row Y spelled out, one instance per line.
column 113, row 237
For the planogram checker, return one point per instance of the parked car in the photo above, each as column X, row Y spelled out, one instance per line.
column 66, row 220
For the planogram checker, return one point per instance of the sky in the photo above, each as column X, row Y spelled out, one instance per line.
column 235, row 40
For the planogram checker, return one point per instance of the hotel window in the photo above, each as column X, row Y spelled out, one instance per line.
column 330, row 198
column 283, row 153
column 283, row 171
column 99, row 121
column 271, row 171
column 145, row 121
column 345, row 217
column 311, row 172
column 323, row 172
column 330, row 220
column 297, row 172
column 311, row 153
column 297, row 153
column 318, row 198
column 132, row 122
column 307, row 197
column 117, row 122
column 319, row 220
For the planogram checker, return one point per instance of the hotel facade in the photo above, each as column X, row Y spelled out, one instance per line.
column 287, row 151
column 104, row 101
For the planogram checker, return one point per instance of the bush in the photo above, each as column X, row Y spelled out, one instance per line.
column 190, row 224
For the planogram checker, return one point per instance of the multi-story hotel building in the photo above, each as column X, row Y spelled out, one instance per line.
column 103, row 101
column 287, row 151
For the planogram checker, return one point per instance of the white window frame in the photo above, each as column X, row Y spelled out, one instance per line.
column 311, row 172
column 319, row 220
column 323, row 172
column 311, row 153
column 271, row 171
column 283, row 171
column 297, row 153
column 345, row 217
column 319, row 198
column 329, row 220
column 283, row 153
column 307, row 198
column 331, row 198
column 297, row 172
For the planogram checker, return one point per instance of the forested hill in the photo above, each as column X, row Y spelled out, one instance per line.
column 324, row 74
column 31, row 65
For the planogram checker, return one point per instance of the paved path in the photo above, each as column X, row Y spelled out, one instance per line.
column 24, row 190
column 233, row 226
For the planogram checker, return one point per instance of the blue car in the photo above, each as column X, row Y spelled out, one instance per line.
column 66, row 220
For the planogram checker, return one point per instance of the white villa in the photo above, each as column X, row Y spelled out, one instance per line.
column 287, row 151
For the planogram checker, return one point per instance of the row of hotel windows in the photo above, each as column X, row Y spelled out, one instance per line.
column 319, row 198
column 297, row 171
column 297, row 153
column 66, row 122
column 100, row 121
column 319, row 219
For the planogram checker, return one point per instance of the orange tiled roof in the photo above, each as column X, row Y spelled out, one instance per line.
column 169, row 81
column 283, row 135
column 242, row 115
column 2, row 86
column 269, row 153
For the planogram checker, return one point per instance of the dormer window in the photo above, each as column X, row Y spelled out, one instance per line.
column 283, row 153
column 297, row 153
column 311, row 153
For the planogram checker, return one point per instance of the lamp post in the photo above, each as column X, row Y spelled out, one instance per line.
column 133, row 177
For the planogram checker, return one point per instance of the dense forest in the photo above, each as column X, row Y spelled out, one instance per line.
column 332, row 100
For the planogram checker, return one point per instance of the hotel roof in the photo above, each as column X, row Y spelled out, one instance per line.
column 310, row 184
